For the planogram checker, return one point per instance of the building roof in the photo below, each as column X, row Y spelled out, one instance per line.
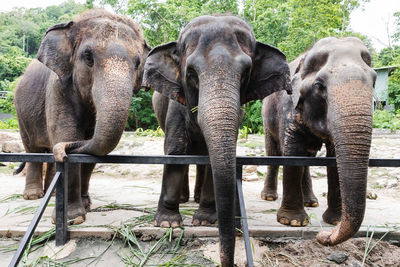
column 388, row 68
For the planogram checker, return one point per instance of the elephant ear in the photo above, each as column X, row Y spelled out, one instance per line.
column 55, row 51
column 140, row 68
column 270, row 73
column 161, row 72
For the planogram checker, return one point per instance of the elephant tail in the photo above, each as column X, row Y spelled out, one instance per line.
column 20, row 168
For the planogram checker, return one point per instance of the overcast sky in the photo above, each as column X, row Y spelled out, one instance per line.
column 371, row 20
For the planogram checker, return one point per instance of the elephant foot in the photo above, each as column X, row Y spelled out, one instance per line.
column 32, row 193
column 197, row 198
column 331, row 216
column 87, row 202
column 76, row 214
column 269, row 195
column 292, row 217
column 310, row 201
column 166, row 218
column 184, row 198
column 204, row 217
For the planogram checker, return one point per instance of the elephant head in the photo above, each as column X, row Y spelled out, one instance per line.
column 101, row 57
column 215, row 66
column 335, row 102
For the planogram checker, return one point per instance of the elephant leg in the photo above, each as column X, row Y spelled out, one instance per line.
column 310, row 200
column 167, row 214
column 269, row 191
column 34, row 181
column 206, row 214
column 200, row 176
column 292, row 210
column 333, row 213
column 50, row 172
column 175, row 143
column 86, row 172
column 185, row 187
column 76, row 212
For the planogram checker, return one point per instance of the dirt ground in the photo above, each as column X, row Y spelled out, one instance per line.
column 133, row 191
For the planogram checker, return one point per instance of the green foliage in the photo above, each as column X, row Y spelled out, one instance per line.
column 24, row 28
column 162, row 20
column 394, row 88
column 252, row 118
column 7, row 104
column 141, row 114
column 12, row 65
column 148, row 132
column 244, row 132
column 9, row 124
column 386, row 120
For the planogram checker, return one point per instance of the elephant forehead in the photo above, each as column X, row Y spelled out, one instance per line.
column 214, row 25
column 103, row 31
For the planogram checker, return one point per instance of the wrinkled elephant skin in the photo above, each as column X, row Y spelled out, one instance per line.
column 215, row 66
column 331, row 103
column 76, row 97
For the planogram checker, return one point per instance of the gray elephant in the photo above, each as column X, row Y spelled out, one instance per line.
column 76, row 97
column 215, row 66
column 331, row 103
column 160, row 106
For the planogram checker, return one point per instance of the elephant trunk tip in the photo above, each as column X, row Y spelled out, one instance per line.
column 335, row 236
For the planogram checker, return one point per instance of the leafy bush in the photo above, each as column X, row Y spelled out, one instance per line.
column 9, row 124
column 386, row 120
column 7, row 104
column 394, row 88
column 252, row 118
column 153, row 133
column 141, row 114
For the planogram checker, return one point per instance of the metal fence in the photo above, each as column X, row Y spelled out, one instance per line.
column 60, row 183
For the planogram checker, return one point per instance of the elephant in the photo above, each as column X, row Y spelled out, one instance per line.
column 332, row 104
column 160, row 106
column 75, row 97
column 214, row 67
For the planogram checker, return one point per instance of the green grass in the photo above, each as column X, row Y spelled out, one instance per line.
column 11, row 198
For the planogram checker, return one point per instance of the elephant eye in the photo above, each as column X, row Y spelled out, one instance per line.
column 318, row 86
column 88, row 57
column 136, row 61
column 192, row 78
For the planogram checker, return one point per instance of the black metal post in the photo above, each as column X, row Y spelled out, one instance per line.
column 245, row 228
column 62, row 234
column 32, row 226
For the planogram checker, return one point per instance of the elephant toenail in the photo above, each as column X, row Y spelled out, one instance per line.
column 155, row 223
column 284, row 221
column 196, row 222
column 165, row 224
column 205, row 223
column 175, row 224
column 295, row 223
column 315, row 204
column 78, row 220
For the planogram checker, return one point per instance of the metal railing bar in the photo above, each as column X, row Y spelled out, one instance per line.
column 189, row 159
column 62, row 234
column 245, row 228
column 28, row 157
column 32, row 226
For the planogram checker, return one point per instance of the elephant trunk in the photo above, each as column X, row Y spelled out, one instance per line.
column 218, row 117
column 351, row 126
column 112, row 93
